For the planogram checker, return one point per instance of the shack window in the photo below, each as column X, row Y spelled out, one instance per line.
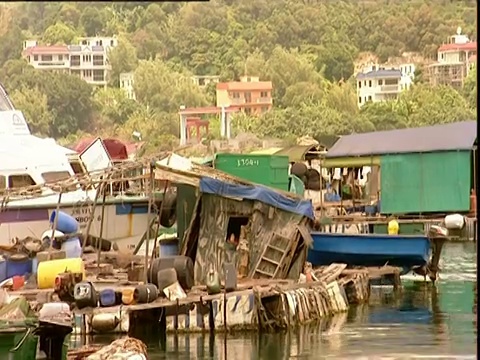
column 19, row 181
column 235, row 224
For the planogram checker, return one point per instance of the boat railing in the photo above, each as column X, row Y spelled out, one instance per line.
column 120, row 179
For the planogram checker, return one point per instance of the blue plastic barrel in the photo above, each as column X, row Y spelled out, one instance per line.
column 168, row 247
column 107, row 297
column 3, row 269
column 18, row 267
column 65, row 223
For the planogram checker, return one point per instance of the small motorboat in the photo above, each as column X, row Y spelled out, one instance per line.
column 369, row 249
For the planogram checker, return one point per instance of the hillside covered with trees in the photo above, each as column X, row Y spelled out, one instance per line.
column 306, row 48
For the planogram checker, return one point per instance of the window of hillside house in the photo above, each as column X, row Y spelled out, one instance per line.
column 248, row 111
column 47, row 58
column 235, row 95
column 359, row 99
column 60, row 57
column 19, row 181
column 75, row 60
column 369, row 83
column 380, row 82
column 359, row 84
column 234, row 226
column 98, row 75
column 35, row 57
column 264, row 94
column 369, row 98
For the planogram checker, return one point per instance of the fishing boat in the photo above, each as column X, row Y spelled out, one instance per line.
column 29, row 161
column 408, row 252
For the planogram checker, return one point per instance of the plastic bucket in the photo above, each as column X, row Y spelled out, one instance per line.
column 65, row 223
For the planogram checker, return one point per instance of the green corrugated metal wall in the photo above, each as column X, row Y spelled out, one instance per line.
column 425, row 182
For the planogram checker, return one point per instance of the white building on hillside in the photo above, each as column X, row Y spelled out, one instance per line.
column 378, row 83
column 126, row 83
column 88, row 59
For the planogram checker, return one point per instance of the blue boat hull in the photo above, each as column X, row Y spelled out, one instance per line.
column 369, row 250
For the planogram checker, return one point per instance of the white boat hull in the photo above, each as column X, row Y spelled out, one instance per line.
column 125, row 222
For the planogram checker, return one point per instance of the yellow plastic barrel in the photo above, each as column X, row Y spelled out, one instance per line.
column 49, row 270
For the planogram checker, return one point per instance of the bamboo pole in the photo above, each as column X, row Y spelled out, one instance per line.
column 165, row 187
column 150, row 201
column 99, row 241
column 89, row 225
column 55, row 222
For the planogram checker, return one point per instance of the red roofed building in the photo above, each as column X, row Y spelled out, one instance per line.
column 249, row 94
column 453, row 61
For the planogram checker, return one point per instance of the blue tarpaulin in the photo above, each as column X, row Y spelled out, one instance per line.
column 259, row 193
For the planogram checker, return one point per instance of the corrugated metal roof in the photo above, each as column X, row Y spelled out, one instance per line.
column 453, row 136
column 296, row 152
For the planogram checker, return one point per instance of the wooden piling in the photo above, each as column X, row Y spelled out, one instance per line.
column 150, row 201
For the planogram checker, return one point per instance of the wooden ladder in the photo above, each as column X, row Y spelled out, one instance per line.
column 273, row 257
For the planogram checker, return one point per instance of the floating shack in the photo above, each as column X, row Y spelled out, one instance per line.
column 425, row 172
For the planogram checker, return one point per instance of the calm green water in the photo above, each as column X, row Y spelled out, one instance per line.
column 423, row 322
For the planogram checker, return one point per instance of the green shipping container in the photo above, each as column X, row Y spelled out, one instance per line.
column 268, row 170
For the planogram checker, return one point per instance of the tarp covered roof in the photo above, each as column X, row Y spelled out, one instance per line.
column 453, row 136
column 180, row 170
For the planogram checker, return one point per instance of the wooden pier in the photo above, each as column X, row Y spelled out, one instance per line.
column 256, row 305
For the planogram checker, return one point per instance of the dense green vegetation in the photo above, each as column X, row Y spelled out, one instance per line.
column 307, row 48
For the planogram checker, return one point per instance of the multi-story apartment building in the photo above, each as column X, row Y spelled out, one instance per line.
column 249, row 94
column 377, row 83
column 88, row 59
column 126, row 83
column 453, row 61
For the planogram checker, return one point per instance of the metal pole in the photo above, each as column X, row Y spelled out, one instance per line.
column 55, row 222
column 150, row 201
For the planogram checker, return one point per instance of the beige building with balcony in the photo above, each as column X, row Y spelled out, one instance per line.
column 250, row 95
column 454, row 61
column 88, row 59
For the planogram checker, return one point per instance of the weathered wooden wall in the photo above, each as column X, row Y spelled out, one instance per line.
column 214, row 215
